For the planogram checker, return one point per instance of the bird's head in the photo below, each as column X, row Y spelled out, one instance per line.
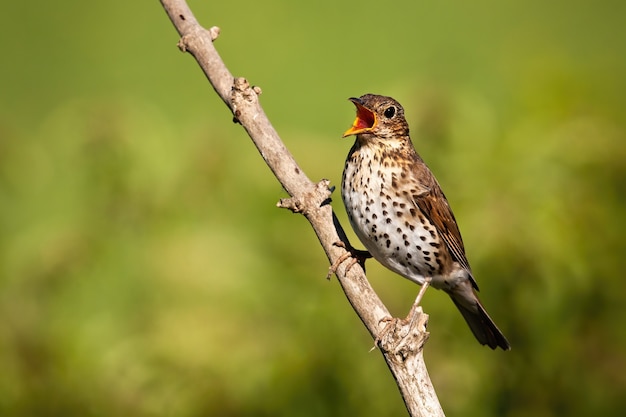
column 378, row 116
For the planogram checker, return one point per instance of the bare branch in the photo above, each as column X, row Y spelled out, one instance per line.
column 401, row 344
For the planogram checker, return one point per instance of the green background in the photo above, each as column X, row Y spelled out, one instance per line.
column 144, row 267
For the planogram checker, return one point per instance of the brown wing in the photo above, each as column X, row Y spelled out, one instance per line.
column 434, row 205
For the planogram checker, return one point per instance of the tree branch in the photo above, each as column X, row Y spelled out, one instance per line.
column 401, row 344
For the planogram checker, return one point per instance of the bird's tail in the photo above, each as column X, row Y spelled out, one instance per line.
column 476, row 317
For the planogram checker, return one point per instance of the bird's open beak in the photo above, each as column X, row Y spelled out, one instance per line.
column 365, row 119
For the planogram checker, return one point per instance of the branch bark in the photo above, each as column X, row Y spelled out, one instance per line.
column 401, row 343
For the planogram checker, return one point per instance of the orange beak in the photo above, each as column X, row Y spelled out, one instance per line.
column 365, row 119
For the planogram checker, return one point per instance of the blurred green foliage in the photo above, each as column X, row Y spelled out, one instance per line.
column 144, row 268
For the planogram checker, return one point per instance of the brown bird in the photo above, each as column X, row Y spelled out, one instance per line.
column 398, row 211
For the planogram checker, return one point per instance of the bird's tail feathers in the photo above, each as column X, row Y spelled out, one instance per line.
column 477, row 318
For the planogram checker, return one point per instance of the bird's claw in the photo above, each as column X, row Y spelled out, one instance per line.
column 409, row 320
column 391, row 324
column 355, row 256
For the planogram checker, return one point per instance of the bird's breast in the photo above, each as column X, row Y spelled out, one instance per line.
column 383, row 215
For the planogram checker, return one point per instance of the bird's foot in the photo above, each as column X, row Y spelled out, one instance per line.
column 355, row 256
column 392, row 322
column 395, row 324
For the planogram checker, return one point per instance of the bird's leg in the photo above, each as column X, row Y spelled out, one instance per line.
column 412, row 312
column 355, row 256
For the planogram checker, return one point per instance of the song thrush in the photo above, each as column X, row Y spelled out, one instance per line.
column 398, row 211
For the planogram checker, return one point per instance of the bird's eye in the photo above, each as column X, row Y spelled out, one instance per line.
column 390, row 112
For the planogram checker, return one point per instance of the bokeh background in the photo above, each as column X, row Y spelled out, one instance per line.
column 144, row 267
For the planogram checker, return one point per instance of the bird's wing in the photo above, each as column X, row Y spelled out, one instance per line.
column 433, row 204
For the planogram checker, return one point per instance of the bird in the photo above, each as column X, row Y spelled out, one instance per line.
column 400, row 214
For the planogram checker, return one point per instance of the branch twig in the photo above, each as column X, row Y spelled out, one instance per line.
column 402, row 344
